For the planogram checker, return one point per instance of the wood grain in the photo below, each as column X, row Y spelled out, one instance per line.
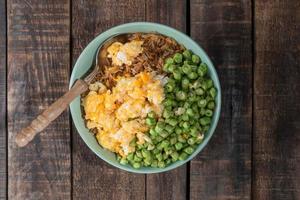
column 223, row 169
column 277, row 100
column 3, row 129
column 92, row 177
column 38, row 72
column 169, row 185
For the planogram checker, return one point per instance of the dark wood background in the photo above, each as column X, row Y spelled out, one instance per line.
column 255, row 152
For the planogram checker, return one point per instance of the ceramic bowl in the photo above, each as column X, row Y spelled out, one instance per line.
column 84, row 62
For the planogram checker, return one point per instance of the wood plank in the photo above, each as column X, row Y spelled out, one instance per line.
column 223, row 169
column 276, row 100
column 92, row 177
column 169, row 185
column 38, row 73
column 3, row 129
column 90, row 15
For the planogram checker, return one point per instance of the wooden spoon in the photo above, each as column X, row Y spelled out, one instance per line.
column 55, row 109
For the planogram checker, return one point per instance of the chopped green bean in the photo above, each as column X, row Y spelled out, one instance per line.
column 177, row 58
column 196, row 59
column 205, row 121
column 189, row 150
column 178, row 146
column 136, row 165
column 181, row 95
column 187, row 54
column 192, row 75
column 202, row 103
column 202, row 69
column 150, row 121
column 183, row 156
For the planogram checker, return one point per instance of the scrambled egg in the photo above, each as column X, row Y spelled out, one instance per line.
column 124, row 53
column 119, row 115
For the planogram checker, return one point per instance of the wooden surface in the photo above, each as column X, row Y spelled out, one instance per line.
column 254, row 153
column 276, row 141
column 3, row 137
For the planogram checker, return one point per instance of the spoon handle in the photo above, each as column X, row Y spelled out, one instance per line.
column 51, row 113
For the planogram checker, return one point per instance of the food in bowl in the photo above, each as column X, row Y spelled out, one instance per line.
column 152, row 104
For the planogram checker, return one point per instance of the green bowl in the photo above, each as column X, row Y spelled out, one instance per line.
column 85, row 61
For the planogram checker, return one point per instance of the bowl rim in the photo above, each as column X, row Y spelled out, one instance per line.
column 200, row 147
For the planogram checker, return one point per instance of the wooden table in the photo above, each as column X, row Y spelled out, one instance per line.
column 255, row 152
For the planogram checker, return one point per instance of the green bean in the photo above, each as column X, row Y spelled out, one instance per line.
column 166, row 67
column 183, row 156
column 190, row 112
column 196, row 59
column 191, row 141
column 173, row 140
column 177, row 75
column 147, row 161
column 202, row 103
column 211, row 105
column 169, row 61
column 150, row 121
column 168, row 102
column 139, row 154
column 208, row 113
column 155, row 151
column 158, row 129
column 196, row 84
column 178, row 130
column 136, row 165
column 146, row 153
column 159, row 156
column 187, row 54
column 153, row 132
column 177, row 58
column 154, row 163
column 187, row 69
column 194, row 131
column 150, row 147
column 167, row 114
column 192, row 75
column 178, row 146
column 186, row 105
column 205, row 128
column 185, row 117
column 209, row 83
column 165, row 156
column 159, row 138
column 174, row 156
column 199, row 91
column 171, row 68
column 161, row 164
column 181, row 139
column 213, row 92
column 193, row 98
column 168, row 150
column 164, row 133
column 172, row 121
column 169, row 128
column 130, row 156
column 186, row 125
column 202, row 69
column 165, row 143
column 123, row 161
column 205, row 121
column 169, row 87
column 185, row 83
column 189, row 150
column 137, row 159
